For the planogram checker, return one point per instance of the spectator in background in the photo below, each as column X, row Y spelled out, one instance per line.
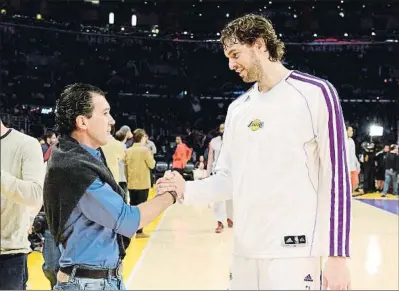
column 121, row 136
column 200, row 164
column 369, row 168
column 129, row 136
column 49, row 139
column 150, row 145
column 391, row 163
column 181, row 156
column 114, row 152
column 22, row 176
column 200, row 172
column 354, row 165
column 153, row 149
column 380, row 168
column 138, row 162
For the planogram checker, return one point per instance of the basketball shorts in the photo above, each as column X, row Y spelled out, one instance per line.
column 275, row 274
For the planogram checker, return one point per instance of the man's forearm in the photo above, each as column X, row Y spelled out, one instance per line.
column 20, row 191
column 151, row 209
column 215, row 188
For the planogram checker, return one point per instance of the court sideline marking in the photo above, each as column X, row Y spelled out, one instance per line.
column 138, row 264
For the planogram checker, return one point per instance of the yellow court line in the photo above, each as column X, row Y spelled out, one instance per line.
column 37, row 280
column 377, row 196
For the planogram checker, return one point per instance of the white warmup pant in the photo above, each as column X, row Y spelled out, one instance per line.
column 276, row 274
column 223, row 210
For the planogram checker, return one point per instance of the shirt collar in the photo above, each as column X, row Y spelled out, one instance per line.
column 95, row 153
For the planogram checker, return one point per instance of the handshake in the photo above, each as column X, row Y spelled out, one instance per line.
column 171, row 182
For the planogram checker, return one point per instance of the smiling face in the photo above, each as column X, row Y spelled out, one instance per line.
column 246, row 41
column 97, row 128
column 244, row 61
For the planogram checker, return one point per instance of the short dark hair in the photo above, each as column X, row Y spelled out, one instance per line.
column 120, row 135
column 138, row 135
column 246, row 29
column 48, row 134
column 75, row 100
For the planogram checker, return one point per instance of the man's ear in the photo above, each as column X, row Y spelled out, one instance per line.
column 260, row 44
column 81, row 122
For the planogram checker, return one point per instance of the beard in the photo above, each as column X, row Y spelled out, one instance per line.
column 253, row 72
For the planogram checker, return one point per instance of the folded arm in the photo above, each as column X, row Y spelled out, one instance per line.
column 28, row 190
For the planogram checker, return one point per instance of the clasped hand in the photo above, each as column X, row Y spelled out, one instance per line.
column 171, row 181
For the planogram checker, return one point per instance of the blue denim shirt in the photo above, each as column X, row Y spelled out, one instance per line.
column 99, row 216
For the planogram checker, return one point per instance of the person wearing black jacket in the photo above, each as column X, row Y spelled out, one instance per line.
column 369, row 168
column 391, row 170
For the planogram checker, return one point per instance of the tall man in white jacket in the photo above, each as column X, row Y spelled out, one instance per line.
column 290, row 188
column 223, row 210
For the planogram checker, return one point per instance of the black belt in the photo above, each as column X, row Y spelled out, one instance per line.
column 92, row 274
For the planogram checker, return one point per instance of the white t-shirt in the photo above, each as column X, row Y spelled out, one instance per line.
column 283, row 161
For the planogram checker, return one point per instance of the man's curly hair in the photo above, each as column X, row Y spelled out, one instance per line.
column 248, row 28
column 75, row 100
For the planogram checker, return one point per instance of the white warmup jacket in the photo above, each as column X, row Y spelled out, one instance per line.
column 284, row 163
column 214, row 150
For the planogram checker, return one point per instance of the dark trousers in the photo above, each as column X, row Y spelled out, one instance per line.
column 369, row 179
column 51, row 256
column 123, row 185
column 13, row 272
column 152, row 178
column 137, row 197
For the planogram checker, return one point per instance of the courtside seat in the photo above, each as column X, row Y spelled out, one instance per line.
column 160, row 168
column 188, row 173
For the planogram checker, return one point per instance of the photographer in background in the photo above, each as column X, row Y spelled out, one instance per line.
column 368, row 150
column 391, row 163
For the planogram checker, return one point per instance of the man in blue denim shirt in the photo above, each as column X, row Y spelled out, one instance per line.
column 90, row 254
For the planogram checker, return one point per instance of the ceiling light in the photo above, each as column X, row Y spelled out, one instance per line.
column 111, row 18
column 134, row 20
